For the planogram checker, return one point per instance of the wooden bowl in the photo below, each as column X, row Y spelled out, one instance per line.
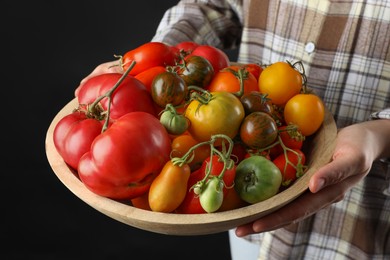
column 318, row 149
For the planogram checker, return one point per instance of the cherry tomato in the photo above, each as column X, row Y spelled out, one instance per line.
column 147, row 76
column 169, row 188
column 196, row 71
column 175, row 123
column 257, row 179
column 168, row 88
column 141, row 202
column 211, row 197
column 191, row 203
column 149, row 55
column 232, row 201
column 187, row 46
column 214, row 55
column 256, row 102
column 280, row 81
column 183, row 143
column 291, row 169
column 230, row 78
column 221, row 115
column 307, row 111
column 255, row 69
column 258, row 130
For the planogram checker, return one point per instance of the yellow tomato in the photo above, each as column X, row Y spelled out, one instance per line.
column 280, row 81
column 307, row 111
column 222, row 114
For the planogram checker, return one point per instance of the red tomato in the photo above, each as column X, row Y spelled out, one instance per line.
column 147, row 76
column 290, row 171
column 255, row 69
column 215, row 56
column 73, row 136
column 130, row 96
column 232, row 201
column 149, row 55
column 120, row 165
column 229, row 79
column 187, row 46
column 141, row 202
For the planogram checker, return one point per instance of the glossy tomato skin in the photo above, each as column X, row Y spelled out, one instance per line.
column 257, row 179
column 188, row 46
column 228, row 79
column 147, row 76
column 289, row 173
column 130, row 96
column 120, row 165
column 258, row 130
column 168, row 88
column 222, row 115
column 307, row 111
column 256, row 102
column 149, row 55
column 169, row 188
column 214, row 55
column 280, row 81
column 196, row 71
column 73, row 136
column 255, row 69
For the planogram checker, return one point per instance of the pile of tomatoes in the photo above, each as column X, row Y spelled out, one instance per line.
column 182, row 130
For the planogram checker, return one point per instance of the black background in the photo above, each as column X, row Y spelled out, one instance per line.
column 47, row 48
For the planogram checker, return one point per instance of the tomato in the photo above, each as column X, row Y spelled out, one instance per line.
column 214, row 55
column 232, row 201
column 120, row 165
column 73, row 136
column 256, row 102
column 222, row 114
column 196, row 71
column 187, row 46
column 291, row 169
column 258, row 130
column 255, row 69
column 291, row 136
column 211, row 197
column 307, row 111
column 182, row 144
column 257, row 179
column 147, row 76
column 131, row 95
column 191, row 203
column 141, row 201
column 230, row 78
column 149, row 55
column 280, row 81
column 239, row 152
column 175, row 123
column 168, row 88
column 169, row 188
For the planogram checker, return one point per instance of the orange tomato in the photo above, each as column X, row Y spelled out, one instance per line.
column 228, row 80
column 169, row 188
column 307, row 111
column 183, row 143
column 280, row 81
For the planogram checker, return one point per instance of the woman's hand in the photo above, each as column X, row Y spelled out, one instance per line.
column 107, row 67
column 357, row 146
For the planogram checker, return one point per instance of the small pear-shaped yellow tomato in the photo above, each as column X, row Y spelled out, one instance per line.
column 169, row 188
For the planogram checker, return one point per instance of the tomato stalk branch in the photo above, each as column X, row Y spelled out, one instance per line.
column 108, row 95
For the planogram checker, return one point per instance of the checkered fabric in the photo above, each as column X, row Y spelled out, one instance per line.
column 345, row 49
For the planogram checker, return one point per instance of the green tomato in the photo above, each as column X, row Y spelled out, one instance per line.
column 211, row 197
column 257, row 179
column 175, row 124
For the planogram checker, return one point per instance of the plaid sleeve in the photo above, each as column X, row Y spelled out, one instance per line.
column 211, row 22
column 383, row 114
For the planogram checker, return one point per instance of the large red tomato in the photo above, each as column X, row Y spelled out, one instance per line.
column 124, row 160
column 131, row 95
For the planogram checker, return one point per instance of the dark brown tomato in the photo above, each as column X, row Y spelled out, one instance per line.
column 196, row 71
column 256, row 102
column 168, row 88
column 258, row 130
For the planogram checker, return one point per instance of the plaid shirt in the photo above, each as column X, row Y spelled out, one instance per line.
column 345, row 49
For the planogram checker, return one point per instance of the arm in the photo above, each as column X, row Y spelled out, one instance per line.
column 216, row 23
column 357, row 147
